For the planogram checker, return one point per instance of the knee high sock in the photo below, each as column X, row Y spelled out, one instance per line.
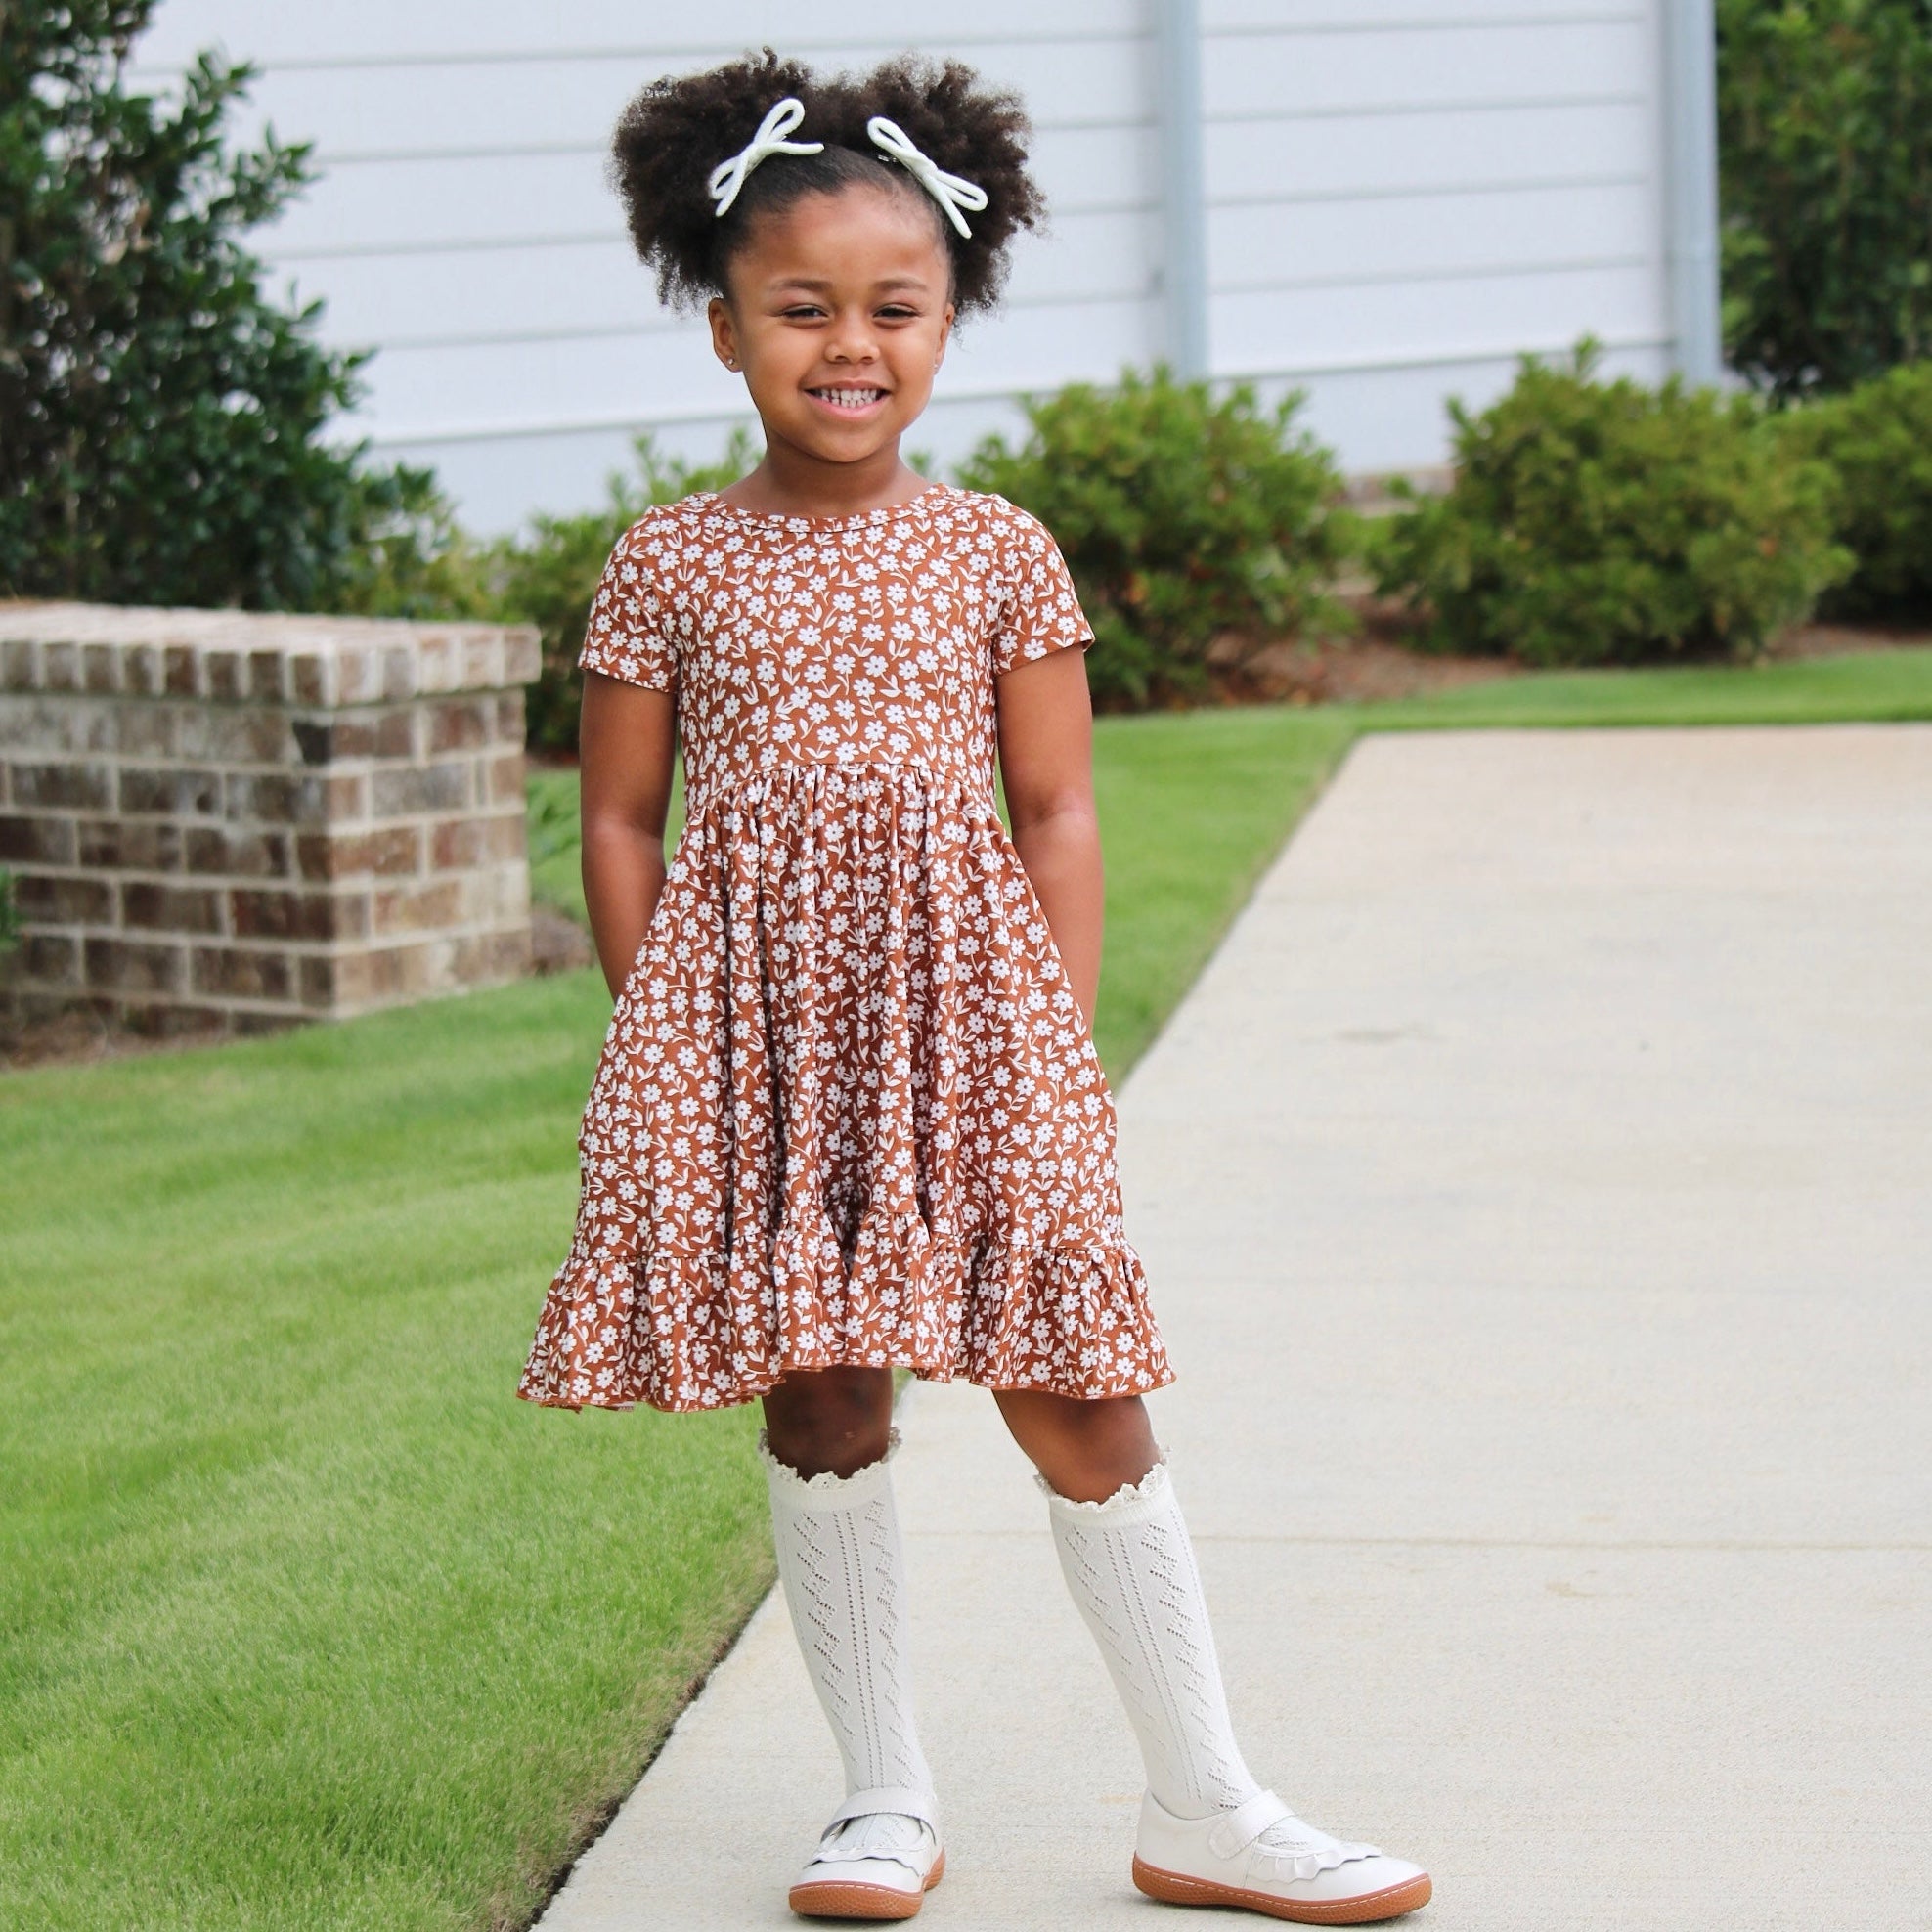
column 844, row 1577
column 1130, row 1569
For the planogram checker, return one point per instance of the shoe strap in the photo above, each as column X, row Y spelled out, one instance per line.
column 1234, row 1831
column 906, row 1802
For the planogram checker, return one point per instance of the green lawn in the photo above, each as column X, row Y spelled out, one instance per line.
column 305, row 1622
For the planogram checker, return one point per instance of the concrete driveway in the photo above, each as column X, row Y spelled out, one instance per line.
column 1537, row 1190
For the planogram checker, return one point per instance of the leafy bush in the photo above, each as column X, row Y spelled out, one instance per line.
column 1877, row 441
column 160, row 420
column 9, row 922
column 1824, row 132
column 415, row 560
column 1180, row 516
column 1607, row 523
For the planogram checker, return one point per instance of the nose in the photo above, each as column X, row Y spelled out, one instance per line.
column 851, row 339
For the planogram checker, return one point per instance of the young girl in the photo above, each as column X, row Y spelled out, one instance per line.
column 847, row 1115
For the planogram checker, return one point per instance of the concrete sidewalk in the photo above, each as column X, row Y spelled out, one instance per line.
column 1537, row 1193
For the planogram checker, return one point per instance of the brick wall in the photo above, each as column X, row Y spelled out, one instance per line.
column 226, row 822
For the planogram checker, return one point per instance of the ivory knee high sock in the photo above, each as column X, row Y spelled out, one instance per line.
column 1130, row 1569
column 844, row 1577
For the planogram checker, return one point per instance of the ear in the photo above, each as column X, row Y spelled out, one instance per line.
column 724, row 331
column 946, row 335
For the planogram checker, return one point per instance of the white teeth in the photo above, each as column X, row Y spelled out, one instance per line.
column 849, row 399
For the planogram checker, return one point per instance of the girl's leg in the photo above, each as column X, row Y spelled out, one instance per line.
column 1084, row 1451
column 1209, row 1833
column 832, row 1422
column 1127, row 1561
column 826, row 1449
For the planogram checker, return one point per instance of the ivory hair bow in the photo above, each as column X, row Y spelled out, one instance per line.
column 947, row 189
column 727, row 177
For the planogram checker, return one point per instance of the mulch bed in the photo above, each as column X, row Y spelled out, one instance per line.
column 1381, row 663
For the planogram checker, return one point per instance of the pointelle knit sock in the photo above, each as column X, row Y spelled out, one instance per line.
column 1130, row 1569
column 844, row 1575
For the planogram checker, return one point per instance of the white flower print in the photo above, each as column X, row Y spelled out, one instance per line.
column 848, row 1109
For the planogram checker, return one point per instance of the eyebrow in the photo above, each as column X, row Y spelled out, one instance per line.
column 819, row 284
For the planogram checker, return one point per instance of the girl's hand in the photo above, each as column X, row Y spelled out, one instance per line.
column 1045, row 724
column 626, row 742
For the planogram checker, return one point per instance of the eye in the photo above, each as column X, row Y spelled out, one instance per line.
column 802, row 312
column 898, row 312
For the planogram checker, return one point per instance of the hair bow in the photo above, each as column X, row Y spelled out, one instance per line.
column 947, row 189
column 727, row 177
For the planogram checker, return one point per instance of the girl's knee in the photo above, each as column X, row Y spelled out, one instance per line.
column 830, row 1422
column 1085, row 1449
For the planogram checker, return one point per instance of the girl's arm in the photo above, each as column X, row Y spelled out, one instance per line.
column 625, row 750
column 1046, row 767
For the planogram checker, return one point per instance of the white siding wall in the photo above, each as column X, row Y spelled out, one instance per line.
column 1400, row 195
column 1404, row 193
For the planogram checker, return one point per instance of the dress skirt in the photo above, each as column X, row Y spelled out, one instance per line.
column 848, row 1112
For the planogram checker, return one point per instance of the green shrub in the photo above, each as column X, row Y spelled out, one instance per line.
column 1877, row 442
column 1180, row 516
column 1824, row 134
column 1607, row 523
column 163, row 424
column 9, row 921
column 415, row 560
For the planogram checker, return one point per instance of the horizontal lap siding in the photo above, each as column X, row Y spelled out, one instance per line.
column 1401, row 196
column 440, row 32
column 463, row 225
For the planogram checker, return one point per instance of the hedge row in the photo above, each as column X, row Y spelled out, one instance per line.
column 1589, row 521
column 1595, row 522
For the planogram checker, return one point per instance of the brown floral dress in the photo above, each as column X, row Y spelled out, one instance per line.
column 847, row 1110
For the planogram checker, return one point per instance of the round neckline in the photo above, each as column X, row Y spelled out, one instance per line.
column 715, row 499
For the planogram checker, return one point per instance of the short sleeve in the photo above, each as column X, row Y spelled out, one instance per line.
column 626, row 636
column 1039, row 612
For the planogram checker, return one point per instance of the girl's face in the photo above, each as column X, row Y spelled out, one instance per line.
column 838, row 316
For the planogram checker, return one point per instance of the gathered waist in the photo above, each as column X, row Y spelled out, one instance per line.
column 832, row 778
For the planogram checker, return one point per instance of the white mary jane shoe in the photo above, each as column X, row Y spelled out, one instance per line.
column 1262, row 1856
column 878, row 1859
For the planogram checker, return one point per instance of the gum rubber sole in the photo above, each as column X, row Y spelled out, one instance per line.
column 1391, row 1902
column 839, row 1899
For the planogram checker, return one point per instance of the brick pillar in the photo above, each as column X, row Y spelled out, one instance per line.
column 225, row 822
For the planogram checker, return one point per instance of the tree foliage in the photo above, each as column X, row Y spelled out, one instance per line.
column 1824, row 119
column 161, row 419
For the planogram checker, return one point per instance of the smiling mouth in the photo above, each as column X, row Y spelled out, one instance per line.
column 850, row 398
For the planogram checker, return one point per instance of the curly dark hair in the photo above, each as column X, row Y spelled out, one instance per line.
column 678, row 129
